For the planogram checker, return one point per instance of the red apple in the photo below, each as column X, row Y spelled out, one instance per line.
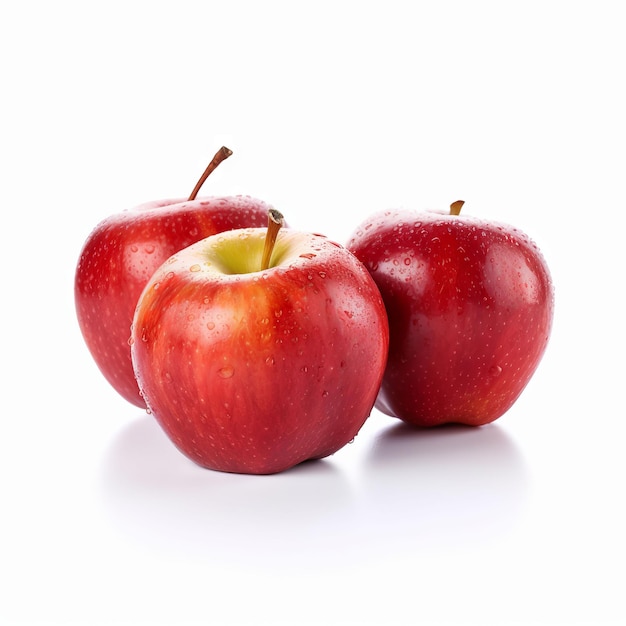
column 470, row 306
column 124, row 250
column 254, row 361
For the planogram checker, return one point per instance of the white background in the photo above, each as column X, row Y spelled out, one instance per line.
column 334, row 110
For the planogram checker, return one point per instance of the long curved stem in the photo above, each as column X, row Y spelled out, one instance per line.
column 221, row 155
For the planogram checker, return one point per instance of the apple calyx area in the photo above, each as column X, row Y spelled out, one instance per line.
column 221, row 155
column 275, row 221
column 455, row 207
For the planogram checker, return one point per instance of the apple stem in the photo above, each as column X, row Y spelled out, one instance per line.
column 275, row 220
column 221, row 155
column 455, row 207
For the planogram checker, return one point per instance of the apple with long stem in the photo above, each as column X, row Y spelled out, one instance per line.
column 122, row 253
column 258, row 349
column 470, row 306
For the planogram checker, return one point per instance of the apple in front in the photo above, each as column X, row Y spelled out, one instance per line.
column 470, row 308
column 254, row 370
column 122, row 253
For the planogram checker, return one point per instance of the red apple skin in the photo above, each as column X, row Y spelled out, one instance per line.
column 470, row 308
column 122, row 253
column 256, row 372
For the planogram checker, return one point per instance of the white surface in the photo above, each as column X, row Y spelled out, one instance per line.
column 333, row 111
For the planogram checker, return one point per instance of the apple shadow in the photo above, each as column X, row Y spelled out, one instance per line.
column 443, row 487
column 156, row 496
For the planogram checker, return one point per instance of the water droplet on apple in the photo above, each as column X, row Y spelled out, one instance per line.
column 435, row 240
column 322, row 274
column 407, row 261
column 304, row 369
column 269, row 360
column 134, row 248
column 131, row 341
column 226, row 372
column 210, row 325
column 495, row 370
column 149, row 249
column 194, row 268
column 325, row 394
column 308, row 255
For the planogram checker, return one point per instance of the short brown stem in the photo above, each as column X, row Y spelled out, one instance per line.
column 275, row 221
column 455, row 207
column 221, row 155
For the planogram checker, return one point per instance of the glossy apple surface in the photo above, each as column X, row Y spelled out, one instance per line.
column 470, row 307
column 254, row 371
column 122, row 253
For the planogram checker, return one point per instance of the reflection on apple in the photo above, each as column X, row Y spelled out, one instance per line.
column 155, row 495
column 443, row 487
